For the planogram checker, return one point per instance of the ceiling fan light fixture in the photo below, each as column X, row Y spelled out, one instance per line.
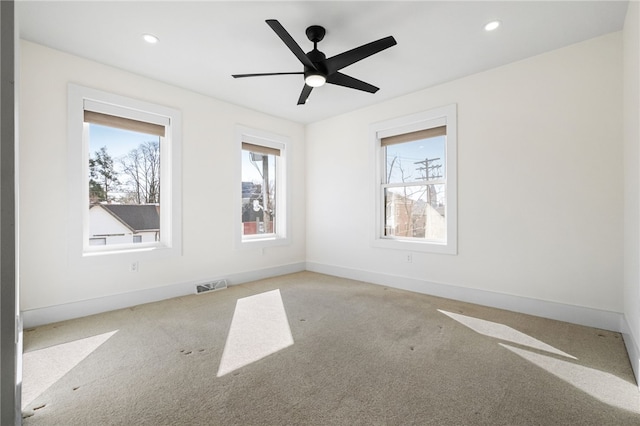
column 315, row 80
column 318, row 69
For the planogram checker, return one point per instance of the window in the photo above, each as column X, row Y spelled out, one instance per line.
column 261, row 202
column 416, row 190
column 124, row 174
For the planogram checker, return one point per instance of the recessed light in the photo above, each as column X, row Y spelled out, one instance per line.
column 150, row 38
column 492, row 25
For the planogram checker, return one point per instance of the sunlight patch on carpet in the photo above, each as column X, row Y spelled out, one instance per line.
column 259, row 328
column 43, row 367
column 503, row 332
column 603, row 386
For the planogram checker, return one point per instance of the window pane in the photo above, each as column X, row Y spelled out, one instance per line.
column 124, row 186
column 415, row 212
column 415, row 161
column 258, row 193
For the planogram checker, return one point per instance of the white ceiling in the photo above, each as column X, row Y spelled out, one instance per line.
column 202, row 43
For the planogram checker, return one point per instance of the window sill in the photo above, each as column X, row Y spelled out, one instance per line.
column 264, row 242
column 122, row 257
column 124, row 249
column 415, row 246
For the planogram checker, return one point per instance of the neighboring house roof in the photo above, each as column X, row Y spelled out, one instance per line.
column 137, row 217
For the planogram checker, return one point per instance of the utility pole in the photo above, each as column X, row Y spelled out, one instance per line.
column 430, row 171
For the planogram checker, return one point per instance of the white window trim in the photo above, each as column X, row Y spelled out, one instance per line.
column 80, row 97
column 283, row 217
column 420, row 121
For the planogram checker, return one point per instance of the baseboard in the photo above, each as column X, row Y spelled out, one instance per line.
column 47, row 315
column 632, row 347
column 569, row 313
column 590, row 317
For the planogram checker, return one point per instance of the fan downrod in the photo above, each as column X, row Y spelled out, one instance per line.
column 315, row 33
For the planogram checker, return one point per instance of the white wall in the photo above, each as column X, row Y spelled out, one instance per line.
column 539, row 185
column 208, row 145
column 631, row 44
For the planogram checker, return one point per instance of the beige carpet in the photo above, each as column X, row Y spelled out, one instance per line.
column 308, row 349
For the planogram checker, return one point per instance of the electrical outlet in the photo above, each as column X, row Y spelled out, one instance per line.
column 408, row 257
column 133, row 267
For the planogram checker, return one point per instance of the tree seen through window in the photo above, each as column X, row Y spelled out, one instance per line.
column 124, row 171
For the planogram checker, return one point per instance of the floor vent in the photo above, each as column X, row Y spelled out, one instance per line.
column 212, row 286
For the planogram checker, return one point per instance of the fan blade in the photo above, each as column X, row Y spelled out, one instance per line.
column 353, row 83
column 290, row 42
column 336, row 63
column 264, row 74
column 306, row 91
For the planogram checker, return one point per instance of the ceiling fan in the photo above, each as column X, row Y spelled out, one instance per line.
column 318, row 69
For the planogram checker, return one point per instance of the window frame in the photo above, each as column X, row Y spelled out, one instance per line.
column 82, row 98
column 283, row 217
column 446, row 115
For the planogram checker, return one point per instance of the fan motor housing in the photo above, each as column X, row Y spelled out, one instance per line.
column 318, row 58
